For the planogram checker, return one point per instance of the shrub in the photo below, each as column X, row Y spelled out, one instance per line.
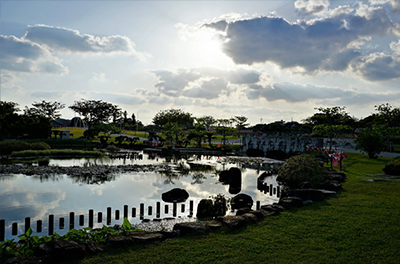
column 299, row 169
column 372, row 142
column 7, row 147
column 392, row 167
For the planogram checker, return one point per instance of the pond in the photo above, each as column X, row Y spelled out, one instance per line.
column 41, row 194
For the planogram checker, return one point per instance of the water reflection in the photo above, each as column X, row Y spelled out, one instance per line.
column 40, row 195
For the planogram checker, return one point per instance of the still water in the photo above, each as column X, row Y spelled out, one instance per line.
column 37, row 196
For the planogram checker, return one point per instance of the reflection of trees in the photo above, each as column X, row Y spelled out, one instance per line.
column 47, row 177
column 92, row 179
column 198, row 178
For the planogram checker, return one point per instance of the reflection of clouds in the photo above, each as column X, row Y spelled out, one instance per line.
column 94, row 190
column 17, row 203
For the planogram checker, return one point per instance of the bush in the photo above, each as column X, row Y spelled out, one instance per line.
column 392, row 167
column 299, row 169
column 7, row 147
column 371, row 141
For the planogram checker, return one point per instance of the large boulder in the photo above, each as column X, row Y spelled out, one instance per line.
column 175, row 195
column 241, row 201
column 187, row 228
column 233, row 177
column 205, row 209
column 59, row 249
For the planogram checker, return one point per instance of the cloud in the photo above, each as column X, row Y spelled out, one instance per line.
column 206, row 83
column 208, row 89
column 20, row 55
column 172, row 83
column 291, row 92
column 311, row 7
column 324, row 44
column 379, row 67
column 68, row 40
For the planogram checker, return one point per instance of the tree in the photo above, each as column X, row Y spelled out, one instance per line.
column 176, row 116
column 9, row 120
column 96, row 111
column 49, row 110
column 224, row 128
column 330, row 121
column 370, row 141
column 173, row 121
column 240, row 122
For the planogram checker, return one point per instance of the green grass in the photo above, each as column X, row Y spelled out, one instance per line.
column 362, row 225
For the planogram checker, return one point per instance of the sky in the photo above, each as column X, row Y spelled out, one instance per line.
column 266, row 60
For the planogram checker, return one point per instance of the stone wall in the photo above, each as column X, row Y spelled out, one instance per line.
column 293, row 144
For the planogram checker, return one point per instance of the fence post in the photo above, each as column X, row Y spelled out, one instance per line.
column 39, row 226
column 258, row 205
column 81, row 220
column 117, row 214
column 158, row 209
column 125, row 211
column 278, row 191
column 51, row 224
column 182, row 208
column 71, row 220
column 108, row 215
column 27, row 223
column 91, row 218
column 174, row 209
column 141, row 210
column 133, row 212
column 2, row 229
column 61, row 223
column 270, row 190
column 191, row 207
column 166, row 209
column 14, row 229
column 150, row 210
column 99, row 217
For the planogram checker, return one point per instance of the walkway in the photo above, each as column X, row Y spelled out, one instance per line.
column 382, row 154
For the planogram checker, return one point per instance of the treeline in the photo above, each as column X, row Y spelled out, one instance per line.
column 178, row 126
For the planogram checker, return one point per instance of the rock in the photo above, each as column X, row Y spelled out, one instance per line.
column 186, row 228
column 93, row 248
column 235, row 181
column 205, row 209
column 250, row 218
column 291, row 202
column 243, row 211
column 131, row 238
column 331, row 185
column 233, row 177
column 233, row 222
column 241, row 201
column 59, row 249
column 214, row 225
column 175, row 195
column 258, row 213
column 306, row 185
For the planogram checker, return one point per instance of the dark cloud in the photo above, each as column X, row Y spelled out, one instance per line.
column 329, row 43
column 24, row 56
column 379, row 67
column 68, row 40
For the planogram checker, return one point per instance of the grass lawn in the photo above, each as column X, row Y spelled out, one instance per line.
column 362, row 225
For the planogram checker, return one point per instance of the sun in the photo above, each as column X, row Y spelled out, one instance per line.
column 206, row 49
